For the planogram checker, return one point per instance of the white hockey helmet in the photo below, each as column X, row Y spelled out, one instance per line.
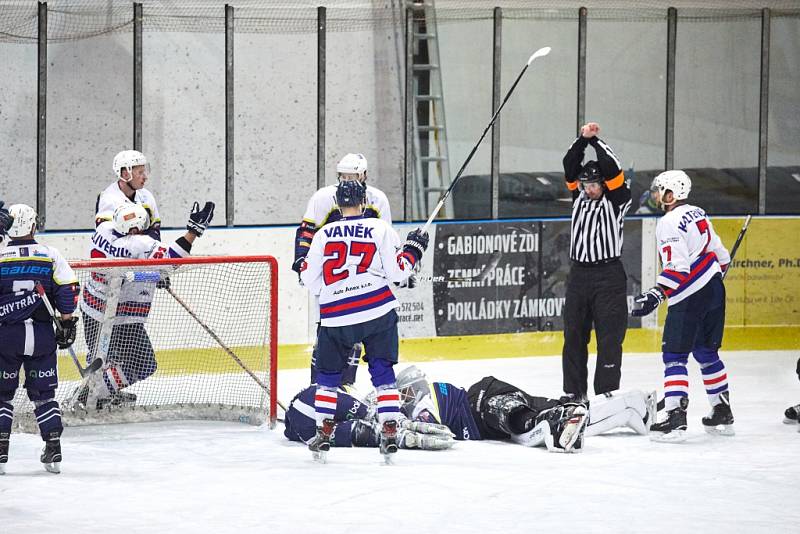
column 129, row 216
column 353, row 164
column 413, row 386
column 676, row 181
column 24, row 220
column 128, row 159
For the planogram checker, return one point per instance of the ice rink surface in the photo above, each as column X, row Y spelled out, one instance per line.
column 207, row 477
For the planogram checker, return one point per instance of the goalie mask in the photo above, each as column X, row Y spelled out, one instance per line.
column 129, row 216
column 413, row 386
column 24, row 220
column 128, row 159
column 676, row 181
column 352, row 167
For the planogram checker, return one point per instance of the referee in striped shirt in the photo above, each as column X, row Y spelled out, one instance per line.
column 596, row 286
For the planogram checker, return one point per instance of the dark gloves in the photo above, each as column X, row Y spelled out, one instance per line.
column 66, row 329
column 199, row 219
column 297, row 267
column 649, row 300
column 6, row 220
column 416, row 243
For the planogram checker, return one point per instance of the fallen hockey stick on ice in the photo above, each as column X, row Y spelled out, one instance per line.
column 84, row 371
column 221, row 343
column 539, row 53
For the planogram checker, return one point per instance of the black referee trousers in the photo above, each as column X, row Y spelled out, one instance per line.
column 595, row 296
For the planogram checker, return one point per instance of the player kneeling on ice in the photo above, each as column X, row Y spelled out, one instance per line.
column 129, row 357
column 351, row 265
column 694, row 259
column 27, row 339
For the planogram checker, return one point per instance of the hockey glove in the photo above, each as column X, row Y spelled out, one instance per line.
column 199, row 219
column 416, row 243
column 6, row 220
column 66, row 329
column 649, row 300
column 164, row 283
column 422, row 427
column 409, row 439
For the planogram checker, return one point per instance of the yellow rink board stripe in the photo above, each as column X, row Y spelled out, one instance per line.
column 211, row 361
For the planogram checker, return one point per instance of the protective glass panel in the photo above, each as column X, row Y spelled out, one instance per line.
column 89, row 120
column 716, row 110
column 538, row 122
column 783, row 160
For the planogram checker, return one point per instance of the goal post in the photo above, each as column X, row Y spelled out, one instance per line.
column 188, row 338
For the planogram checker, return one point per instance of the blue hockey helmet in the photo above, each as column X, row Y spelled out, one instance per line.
column 350, row 194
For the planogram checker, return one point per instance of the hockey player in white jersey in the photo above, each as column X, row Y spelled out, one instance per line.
column 351, row 266
column 322, row 210
column 132, row 170
column 693, row 260
column 130, row 356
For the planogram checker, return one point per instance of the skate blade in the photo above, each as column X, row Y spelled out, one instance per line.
column 787, row 421
column 2, row 469
column 720, row 430
column 321, row 457
column 676, row 436
column 53, row 467
column 388, row 459
column 573, row 431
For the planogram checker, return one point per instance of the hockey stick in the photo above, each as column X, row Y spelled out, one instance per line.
column 539, row 53
column 737, row 243
column 221, row 343
column 84, row 371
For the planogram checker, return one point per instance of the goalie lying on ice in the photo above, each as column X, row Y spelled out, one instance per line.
column 489, row 409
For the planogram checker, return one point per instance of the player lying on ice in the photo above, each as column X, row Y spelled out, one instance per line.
column 440, row 413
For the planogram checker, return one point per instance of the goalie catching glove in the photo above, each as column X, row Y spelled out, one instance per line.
column 66, row 329
column 425, row 436
column 199, row 219
column 649, row 300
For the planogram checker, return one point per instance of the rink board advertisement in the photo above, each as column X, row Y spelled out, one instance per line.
column 500, row 277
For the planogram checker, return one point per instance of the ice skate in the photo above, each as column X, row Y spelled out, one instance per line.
column 651, row 403
column 792, row 415
column 388, row 444
column 566, row 425
column 118, row 398
column 4, row 436
column 720, row 420
column 673, row 428
column 321, row 443
column 51, row 455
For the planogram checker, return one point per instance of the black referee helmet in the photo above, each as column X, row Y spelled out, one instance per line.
column 590, row 173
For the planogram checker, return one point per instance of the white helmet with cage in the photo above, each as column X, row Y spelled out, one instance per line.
column 128, row 159
column 129, row 216
column 24, row 220
column 353, row 164
column 413, row 386
column 676, row 181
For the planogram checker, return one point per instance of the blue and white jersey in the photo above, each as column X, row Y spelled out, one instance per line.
column 23, row 264
column 448, row 405
column 691, row 252
column 301, row 422
column 351, row 266
column 135, row 297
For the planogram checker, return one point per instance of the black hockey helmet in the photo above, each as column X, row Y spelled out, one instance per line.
column 590, row 173
column 350, row 194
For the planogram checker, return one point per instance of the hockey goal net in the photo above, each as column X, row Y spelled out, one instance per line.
column 190, row 338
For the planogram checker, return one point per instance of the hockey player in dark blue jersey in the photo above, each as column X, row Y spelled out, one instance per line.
column 27, row 339
column 357, row 426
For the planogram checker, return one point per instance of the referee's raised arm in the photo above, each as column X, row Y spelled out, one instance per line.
column 596, row 287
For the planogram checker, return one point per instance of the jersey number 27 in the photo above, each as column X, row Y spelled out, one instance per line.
column 338, row 252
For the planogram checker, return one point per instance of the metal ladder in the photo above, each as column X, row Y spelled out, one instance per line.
column 432, row 169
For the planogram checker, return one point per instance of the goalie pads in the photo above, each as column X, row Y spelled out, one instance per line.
column 633, row 409
column 561, row 429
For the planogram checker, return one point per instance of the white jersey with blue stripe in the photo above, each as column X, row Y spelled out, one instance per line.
column 691, row 252
column 351, row 265
column 135, row 297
